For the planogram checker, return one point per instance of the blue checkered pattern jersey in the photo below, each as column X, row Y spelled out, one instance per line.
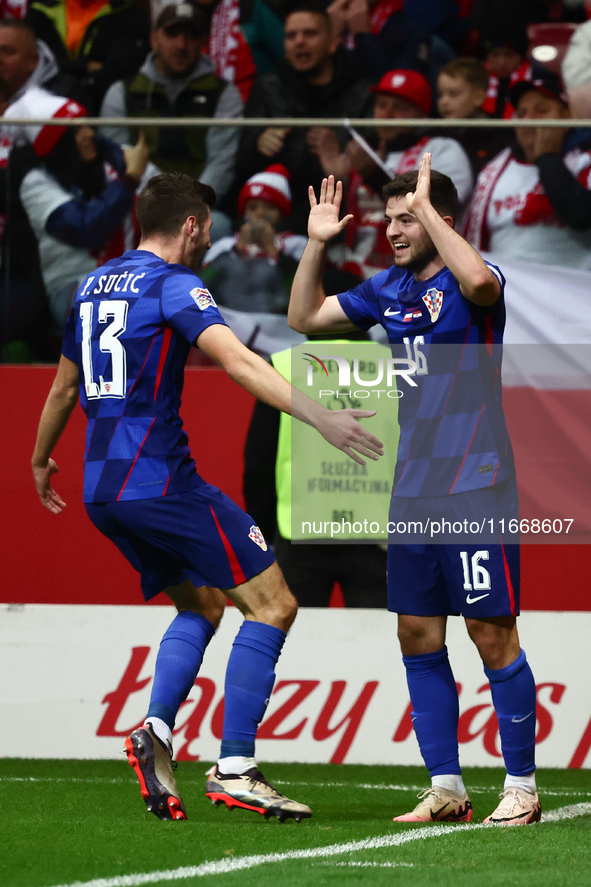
column 129, row 333
column 453, row 436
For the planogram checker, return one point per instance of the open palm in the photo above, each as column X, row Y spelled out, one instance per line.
column 422, row 192
column 323, row 222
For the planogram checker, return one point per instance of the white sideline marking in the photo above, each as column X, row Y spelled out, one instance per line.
column 374, row 865
column 223, row 866
column 471, row 789
column 122, row 780
column 93, row 780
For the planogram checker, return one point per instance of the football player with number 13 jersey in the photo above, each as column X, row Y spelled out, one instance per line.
column 125, row 347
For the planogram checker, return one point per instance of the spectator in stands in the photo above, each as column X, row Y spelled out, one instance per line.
column 98, row 42
column 245, row 39
column 178, row 80
column 461, row 90
column 26, row 62
column 26, row 65
column 399, row 95
column 576, row 71
column 506, row 62
column 532, row 202
column 23, row 302
column 79, row 199
column 316, row 78
column 492, row 16
column 387, row 34
column 253, row 270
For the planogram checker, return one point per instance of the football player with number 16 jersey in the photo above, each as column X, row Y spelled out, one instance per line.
column 442, row 307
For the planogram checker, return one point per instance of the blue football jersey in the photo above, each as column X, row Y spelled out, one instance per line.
column 453, row 435
column 129, row 332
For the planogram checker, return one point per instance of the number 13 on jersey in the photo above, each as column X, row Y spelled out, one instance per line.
column 116, row 311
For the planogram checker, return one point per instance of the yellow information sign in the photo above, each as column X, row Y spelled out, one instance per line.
column 322, row 493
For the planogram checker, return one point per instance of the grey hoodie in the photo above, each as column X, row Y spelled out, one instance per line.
column 46, row 68
column 221, row 143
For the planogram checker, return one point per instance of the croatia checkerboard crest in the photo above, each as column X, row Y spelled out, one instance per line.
column 256, row 536
column 433, row 299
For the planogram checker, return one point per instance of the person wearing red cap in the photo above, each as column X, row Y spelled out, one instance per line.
column 253, row 269
column 368, row 164
column 532, row 202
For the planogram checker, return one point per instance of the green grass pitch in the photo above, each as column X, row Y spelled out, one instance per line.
column 84, row 823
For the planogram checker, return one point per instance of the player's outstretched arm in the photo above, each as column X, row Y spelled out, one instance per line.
column 477, row 282
column 60, row 402
column 310, row 309
column 340, row 428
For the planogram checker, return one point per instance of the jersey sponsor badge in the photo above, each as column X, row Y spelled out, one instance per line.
column 202, row 297
column 256, row 536
column 433, row 299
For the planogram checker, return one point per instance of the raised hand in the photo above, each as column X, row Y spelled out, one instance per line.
column 323, row 221
column 136, row 158
column 422, row 193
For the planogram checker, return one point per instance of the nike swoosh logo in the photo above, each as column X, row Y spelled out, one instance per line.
column 520, row 720
column 436, row 813
column 472, row 600
column 389, row 313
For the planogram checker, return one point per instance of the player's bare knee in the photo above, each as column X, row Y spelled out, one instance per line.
column 266, row 598
column 279, row 610
column 205, row 600
column 497, row 641
column 214, row 611
column 419, row 635
column 289, row 609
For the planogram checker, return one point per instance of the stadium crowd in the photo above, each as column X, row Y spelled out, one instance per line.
column 524, row 193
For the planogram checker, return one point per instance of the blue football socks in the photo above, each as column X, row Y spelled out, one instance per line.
column 177, row 664
column 435, row 714
column 513, row 691
column 250, row 676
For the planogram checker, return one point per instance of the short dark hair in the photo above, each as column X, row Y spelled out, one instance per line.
column 168, row 199
column 471, row 70
column 15, row 24
column 315, row 7
column 444, row 196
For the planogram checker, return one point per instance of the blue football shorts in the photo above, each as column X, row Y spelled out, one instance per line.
column 201, row 535
column 473, row 573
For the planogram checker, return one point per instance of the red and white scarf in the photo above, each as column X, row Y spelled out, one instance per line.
column 229, row 49
column 475, row 227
